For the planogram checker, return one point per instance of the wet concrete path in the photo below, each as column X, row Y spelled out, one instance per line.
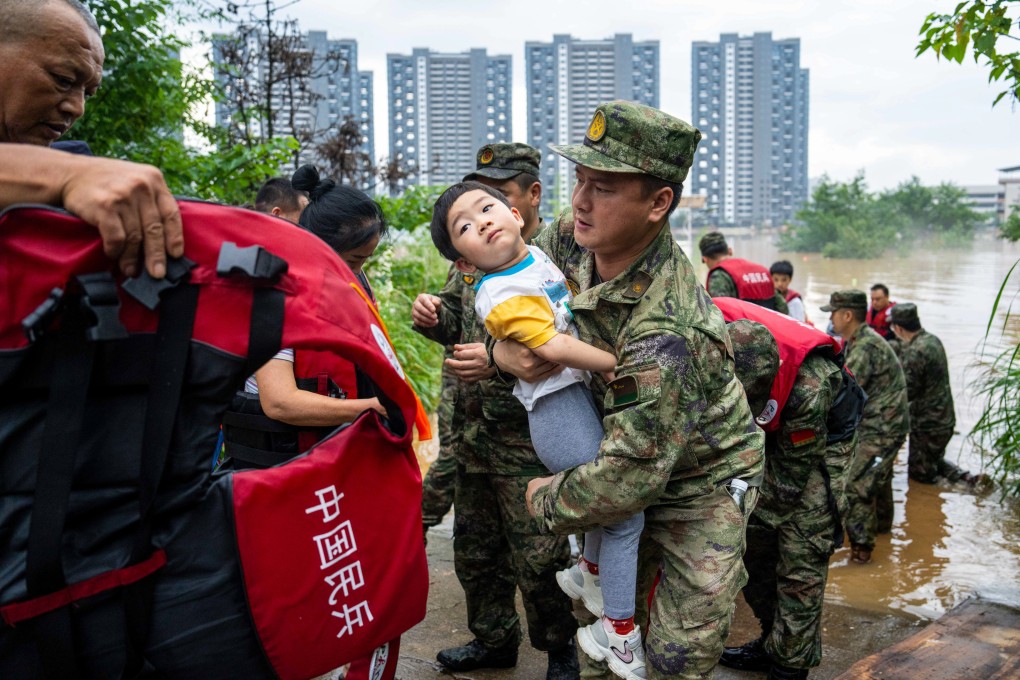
column 849, row 634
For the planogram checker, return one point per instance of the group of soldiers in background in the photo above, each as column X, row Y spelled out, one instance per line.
column 829, row 451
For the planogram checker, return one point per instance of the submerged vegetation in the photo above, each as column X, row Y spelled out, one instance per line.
column 844, row 219
column 997, row 433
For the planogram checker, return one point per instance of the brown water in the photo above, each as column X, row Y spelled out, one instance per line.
column 947, row 542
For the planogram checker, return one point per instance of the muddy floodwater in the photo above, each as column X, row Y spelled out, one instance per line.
column 947, row 542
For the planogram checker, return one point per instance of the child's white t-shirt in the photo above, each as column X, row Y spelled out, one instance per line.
column 529, row 303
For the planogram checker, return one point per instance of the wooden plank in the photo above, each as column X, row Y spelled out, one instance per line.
column 975, row 640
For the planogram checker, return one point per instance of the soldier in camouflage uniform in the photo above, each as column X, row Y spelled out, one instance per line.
column 796, row 525
column 714, row 250
column 932, row 416
column 497, row 545
column 678, row 429
column 886, row 416
column 438, row 485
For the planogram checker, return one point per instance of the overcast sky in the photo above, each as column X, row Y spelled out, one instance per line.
column 874, row 106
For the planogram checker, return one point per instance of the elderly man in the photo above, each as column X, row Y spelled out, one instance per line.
column 51, row 61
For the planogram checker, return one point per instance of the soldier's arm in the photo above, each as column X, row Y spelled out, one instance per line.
column 448, row 330
column 801, row 440
column 655, row 401
column 720, row 284
column 780, row 303
column 861, row 363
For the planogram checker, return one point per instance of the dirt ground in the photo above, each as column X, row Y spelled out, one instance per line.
column 849, row 634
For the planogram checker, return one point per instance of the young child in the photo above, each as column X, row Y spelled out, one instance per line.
column 523, row 296
column 782, row 276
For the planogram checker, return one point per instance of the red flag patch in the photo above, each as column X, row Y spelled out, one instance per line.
column 802, row 437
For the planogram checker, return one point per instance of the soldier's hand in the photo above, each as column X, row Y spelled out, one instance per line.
column 470, row 362
column 516, row 359
column 131, row 206
column 533, row 486
column 425, row 310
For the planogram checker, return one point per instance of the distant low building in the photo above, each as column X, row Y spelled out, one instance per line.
column 985, row 199
column 1009, row 180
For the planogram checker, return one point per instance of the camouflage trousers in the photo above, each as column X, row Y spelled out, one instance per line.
column 926, row 461
column 871, row 470
column 695, row 548
column 438, row 488
column 498, row 546
column 787, row 568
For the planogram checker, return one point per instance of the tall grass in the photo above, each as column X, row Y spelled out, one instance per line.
column 997, row 433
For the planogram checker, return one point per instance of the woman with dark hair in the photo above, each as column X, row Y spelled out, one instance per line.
column 342, row 216
column 313, row 392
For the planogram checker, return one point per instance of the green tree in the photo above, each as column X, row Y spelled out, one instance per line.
column 843, row 219
column 939, row 214
column 988, row 30
column 145, row 108
column 405, row 265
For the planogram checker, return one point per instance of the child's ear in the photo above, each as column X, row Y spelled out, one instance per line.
column 465, row 266
column 517, row 216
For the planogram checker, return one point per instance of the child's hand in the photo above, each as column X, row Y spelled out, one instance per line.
column 609, row 376
column 425, row 310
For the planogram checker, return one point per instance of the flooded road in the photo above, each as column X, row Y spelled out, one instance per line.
column 947, row 543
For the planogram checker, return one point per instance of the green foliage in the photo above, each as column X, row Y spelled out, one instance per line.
column 145, row 108
column 1010, row 229
column 977, row 25
column 844, row 219
column 404, row 266
column 997, row 432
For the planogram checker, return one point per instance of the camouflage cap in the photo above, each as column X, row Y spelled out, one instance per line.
column 505, row 160
column 756, row 360
column 628, row 137
column 712, row 243
column 904, row 314
column 847, row 299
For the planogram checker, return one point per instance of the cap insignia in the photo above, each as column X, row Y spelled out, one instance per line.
column 597, row 129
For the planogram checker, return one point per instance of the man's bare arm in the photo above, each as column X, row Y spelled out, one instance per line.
column 128, row 203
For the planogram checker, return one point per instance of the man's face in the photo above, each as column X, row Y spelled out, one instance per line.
column 526, row 202
column 484, row 231
column 46, row 77
column 781, row 283
column 612, row 215
column 879, row 300
column 840, row 319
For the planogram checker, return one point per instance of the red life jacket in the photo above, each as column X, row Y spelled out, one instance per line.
column 753, row 281
column 795, row 340
column 880, row 322
column 791, row 294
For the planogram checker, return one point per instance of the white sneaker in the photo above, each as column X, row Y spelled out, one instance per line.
column 625, row 655
column 581, row 584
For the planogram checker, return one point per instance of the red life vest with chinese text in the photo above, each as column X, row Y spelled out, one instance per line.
column 795, row 341
column 753, row 281
column 880, row 322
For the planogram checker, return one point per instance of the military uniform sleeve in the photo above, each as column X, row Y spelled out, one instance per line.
column 655, row 403
column 449, row 330
column 720, row 284
column 800, row 443
column 860, row 363
column 780, row 303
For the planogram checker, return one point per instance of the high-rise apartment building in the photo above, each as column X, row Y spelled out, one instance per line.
column 309, row 108
column 442, row 107
column 749, row 98
column 567, row 78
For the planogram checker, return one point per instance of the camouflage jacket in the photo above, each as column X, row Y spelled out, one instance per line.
column 492, row 423
column 799, row 447
column 720, row 284
column 676, row 419
column 873, row 362
column 927, row 373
